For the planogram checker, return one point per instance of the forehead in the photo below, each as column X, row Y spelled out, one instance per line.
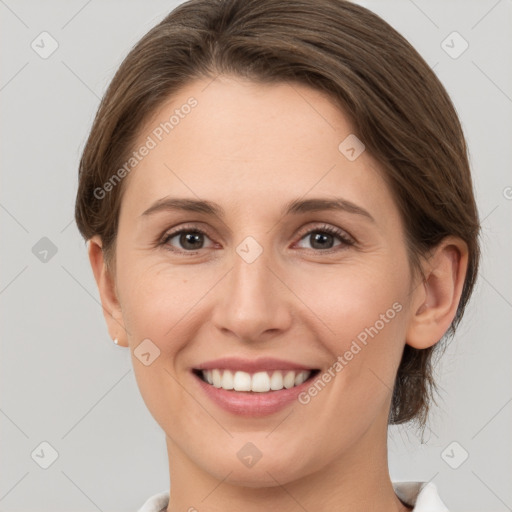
column 247, row 143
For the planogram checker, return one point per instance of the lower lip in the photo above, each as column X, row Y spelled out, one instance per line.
column 246, row 403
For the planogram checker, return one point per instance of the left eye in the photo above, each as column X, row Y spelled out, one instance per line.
column 323, row 237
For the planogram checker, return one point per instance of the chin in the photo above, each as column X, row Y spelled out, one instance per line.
column 269, row 471
column 255, row 479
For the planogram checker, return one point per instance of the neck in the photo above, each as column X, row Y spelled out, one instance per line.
column 354, row 481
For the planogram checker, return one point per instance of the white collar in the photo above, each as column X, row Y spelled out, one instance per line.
column 422, row 495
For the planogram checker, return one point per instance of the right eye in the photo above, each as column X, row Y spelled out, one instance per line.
column 190, row 239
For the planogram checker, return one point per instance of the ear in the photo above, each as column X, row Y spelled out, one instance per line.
column 108, row 294
column 435, row 302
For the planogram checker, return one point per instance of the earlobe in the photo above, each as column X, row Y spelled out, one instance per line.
column 434, row 304
column 108, row 295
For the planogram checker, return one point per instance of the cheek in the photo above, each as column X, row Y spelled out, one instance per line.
column 158, row 299
column 352, row 300
column 365, row 310
column 158, row 306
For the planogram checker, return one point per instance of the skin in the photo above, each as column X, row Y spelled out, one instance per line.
column 251, row 148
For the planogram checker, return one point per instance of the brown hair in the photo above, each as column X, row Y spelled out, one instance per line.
column 396, row 104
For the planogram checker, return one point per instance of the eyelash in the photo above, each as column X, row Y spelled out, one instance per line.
column 342, row 236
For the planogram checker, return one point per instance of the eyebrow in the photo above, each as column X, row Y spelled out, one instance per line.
column 294, row 207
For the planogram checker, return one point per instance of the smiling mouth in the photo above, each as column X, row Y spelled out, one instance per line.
column 256, row 382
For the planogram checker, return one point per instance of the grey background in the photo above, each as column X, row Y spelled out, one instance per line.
column 64, row 382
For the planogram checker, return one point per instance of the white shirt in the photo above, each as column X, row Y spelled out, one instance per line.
column 422, row 495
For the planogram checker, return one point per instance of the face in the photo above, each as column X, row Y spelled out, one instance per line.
column 267, row 287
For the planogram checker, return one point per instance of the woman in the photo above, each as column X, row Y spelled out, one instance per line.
column 280, row 219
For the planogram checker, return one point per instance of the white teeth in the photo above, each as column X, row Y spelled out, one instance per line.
column 227, row 380
column 217, row 378
column 259, row 382
column 242, row 381
column 289, row 380
column 276, row 381
column 299, row 378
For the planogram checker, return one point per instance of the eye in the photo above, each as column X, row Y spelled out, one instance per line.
column 322, row 238
column 189, row 239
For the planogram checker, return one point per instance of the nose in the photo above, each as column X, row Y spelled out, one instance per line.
column 254, row 303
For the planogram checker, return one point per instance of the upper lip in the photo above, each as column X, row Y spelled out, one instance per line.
column 251, row 365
